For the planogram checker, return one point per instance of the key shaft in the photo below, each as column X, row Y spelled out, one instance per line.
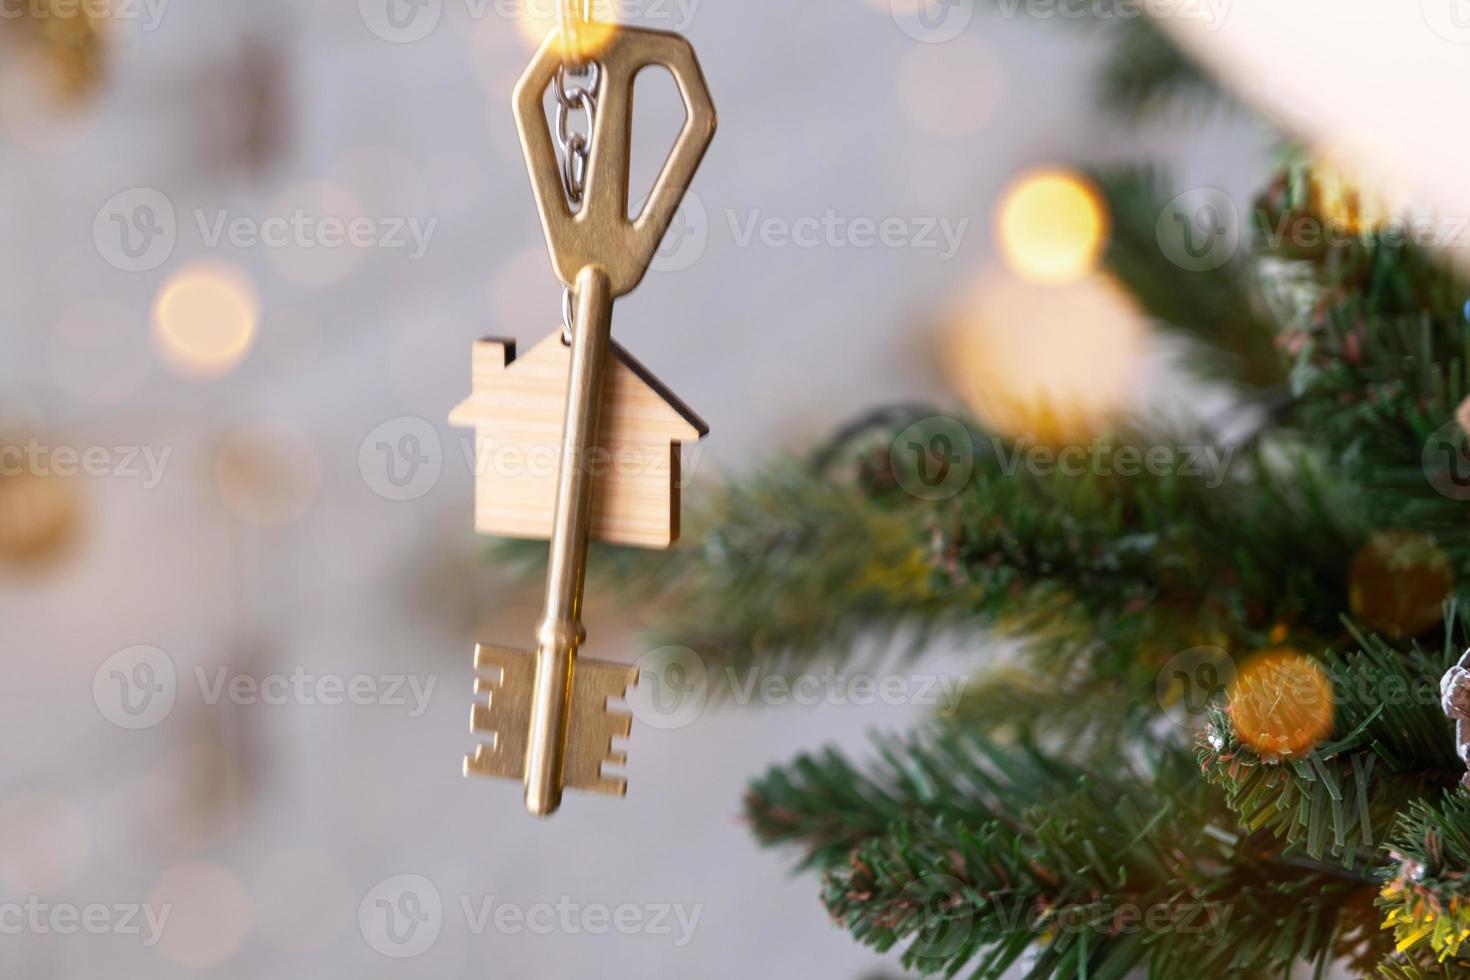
column 560, row 633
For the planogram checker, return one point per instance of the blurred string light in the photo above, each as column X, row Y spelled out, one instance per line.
column 1052, row 226
column 40, row 514
column 98, row 353
column 66, row 42
column 267, row 474
column 44, row 843
column 210, row 914
column 1280, row 704
column 538, row 18
column 969, row 74
column 205, row 319
column 1047, row 363
column 1342, row 195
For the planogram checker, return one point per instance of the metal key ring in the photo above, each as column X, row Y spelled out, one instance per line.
column 558, row 82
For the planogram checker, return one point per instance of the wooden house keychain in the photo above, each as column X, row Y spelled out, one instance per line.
column 547, row 709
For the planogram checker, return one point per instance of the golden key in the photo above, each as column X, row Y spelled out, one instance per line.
column 548, row 710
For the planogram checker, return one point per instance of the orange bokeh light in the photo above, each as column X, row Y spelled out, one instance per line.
column 1281, row 703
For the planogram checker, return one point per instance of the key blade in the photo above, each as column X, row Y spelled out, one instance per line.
column 593, row 725
column 505, row 681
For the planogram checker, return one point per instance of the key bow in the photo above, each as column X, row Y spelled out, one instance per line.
column 600, row 232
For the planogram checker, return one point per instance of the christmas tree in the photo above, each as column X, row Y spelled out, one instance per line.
column 1221, row 748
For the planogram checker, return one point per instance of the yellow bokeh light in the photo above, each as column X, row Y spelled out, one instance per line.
column 1052, row 226
column 1048, row 363
column 540, row 18
column 1398, row 583
column 205, row 319
column 1344, row 195
column 1281, row 704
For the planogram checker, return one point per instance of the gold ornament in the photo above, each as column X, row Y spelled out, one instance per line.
column 1398, row 583
column 1054, row 364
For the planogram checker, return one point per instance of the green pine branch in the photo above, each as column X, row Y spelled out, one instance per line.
column 972, row 855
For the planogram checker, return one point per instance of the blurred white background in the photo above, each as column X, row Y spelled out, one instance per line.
column 266, row 546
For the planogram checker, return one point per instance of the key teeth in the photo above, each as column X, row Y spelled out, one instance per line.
column 595, row 724
column 504, row 714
